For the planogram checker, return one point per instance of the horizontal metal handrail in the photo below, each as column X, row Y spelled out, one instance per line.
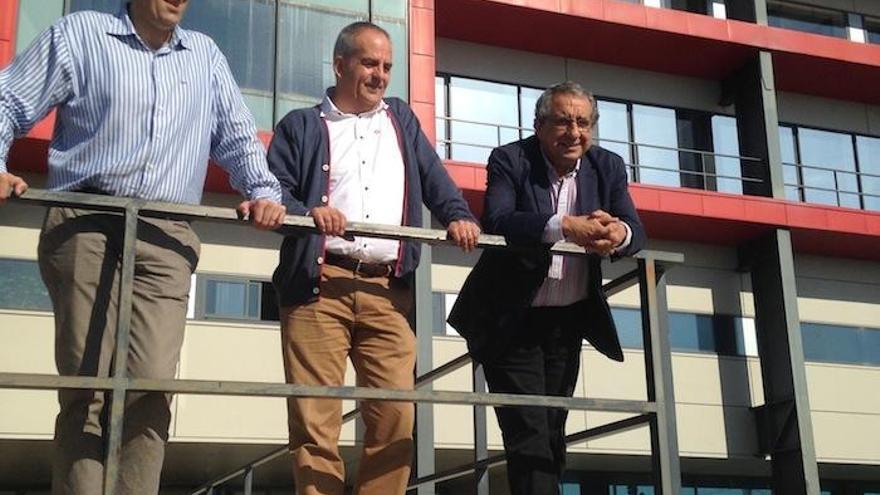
column 294, row 222
column 858, row 173
column 29, row 381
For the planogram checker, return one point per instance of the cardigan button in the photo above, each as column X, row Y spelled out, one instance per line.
column 325, row 167
column 316, row 291
column 320, row 260
column 324, row 199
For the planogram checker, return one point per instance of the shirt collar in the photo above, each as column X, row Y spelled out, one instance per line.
column 331, row 111
column 122, row 26
column 551, row 172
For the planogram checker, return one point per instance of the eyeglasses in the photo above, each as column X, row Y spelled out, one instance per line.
column 566, row 123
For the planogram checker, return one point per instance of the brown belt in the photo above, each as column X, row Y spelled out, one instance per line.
column 359, row 267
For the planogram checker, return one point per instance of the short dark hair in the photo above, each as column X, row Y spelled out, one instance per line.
column 345, row 45
column 544, row 105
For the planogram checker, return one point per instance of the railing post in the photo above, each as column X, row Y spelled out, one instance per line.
column 658, row 377
column 249, row 481
column 481, row 438
column 424, row 321
column 120, row 358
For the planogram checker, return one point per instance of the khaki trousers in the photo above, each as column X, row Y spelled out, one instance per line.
column 363, row 318
column 80, row 254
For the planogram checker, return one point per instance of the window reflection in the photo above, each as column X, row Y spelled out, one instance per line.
column 613, row 131
column 21, row 286
column 486, row 115
column 725, row 141
column 868, row 149
column 828, row 167
column 276, row 78
column 806, row 18
column 790, row 173
column 654, row 129
column 305, row 47
column 872, row 29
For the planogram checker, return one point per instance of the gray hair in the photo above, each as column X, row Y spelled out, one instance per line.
column 544, row 105
column 345, row 45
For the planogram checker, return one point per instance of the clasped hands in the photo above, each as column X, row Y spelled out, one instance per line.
column 598, row 232
column 331, row 221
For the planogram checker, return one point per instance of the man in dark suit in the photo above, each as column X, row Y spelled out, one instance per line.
column 524, row 312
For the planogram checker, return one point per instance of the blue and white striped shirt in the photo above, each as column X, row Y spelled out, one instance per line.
column 132, row 121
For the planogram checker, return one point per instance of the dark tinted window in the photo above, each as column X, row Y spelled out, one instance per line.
column 21, row 286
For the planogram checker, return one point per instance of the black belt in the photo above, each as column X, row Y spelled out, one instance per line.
column 359, row 267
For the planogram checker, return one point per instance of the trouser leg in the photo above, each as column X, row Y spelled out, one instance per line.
column 79, row 257
column 316, row 339
column 383, row 354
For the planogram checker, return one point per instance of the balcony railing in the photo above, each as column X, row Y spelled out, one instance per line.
column 847, row 188
column 658, row 411
column 686, row 167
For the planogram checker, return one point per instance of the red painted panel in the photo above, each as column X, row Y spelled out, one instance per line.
column 422, row 32
column 8, row 24
column 421, row 86
column 655, row 39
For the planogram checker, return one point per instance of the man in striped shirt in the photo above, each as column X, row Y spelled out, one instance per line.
column 141, row 107
column 525, row 313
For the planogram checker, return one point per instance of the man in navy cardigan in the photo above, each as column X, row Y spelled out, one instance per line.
column 356, row 156
column 525, row 312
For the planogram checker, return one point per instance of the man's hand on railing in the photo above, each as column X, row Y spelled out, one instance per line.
column 465, row 233
column 329, row 220
column 265, row 214
column 11, row 185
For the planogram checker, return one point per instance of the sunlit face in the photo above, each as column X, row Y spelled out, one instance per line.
column 362, row 78
column 161, row 15
column 567, row 133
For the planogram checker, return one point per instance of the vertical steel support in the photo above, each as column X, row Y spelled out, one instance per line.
column 481, row 437
column 658, row 375
column 249, row 481
column 789, row 432
column 424, row 321
column 120, row 357
column 753, row 90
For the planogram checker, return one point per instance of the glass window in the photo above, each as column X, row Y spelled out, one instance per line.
column 108, row 6
column 440, row 112
column 438, row 305
column 306, row 36
column 484, row 115
column 655, row 131
column 872, row 29
column 528, row 98
column 21, row 286
column 629, row 327
column 232, row 299
column 33, row 19
column 807, row 18
column 829, row 167
column 725, row 141
column 688, row 332
column 613, row 130
column 868, row 149
column 244, row 30
column 841, row 344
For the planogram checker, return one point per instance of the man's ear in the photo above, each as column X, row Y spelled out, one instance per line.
column 338, row 61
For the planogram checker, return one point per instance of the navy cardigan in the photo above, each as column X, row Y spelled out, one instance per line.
column 299, row 157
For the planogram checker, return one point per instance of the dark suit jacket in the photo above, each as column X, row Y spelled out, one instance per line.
column 502, row 285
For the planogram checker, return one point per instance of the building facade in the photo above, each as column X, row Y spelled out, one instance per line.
column 752, row 133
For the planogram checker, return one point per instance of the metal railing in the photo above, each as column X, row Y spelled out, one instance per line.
column 703, row 176
column 657, row 411
column 839, row 177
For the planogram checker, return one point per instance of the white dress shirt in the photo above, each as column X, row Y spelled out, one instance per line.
column 568, row 276
column 367, row 181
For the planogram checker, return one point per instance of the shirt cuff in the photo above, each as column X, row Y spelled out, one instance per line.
column 553, row 230
column 268, row 192
column 626, row 240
